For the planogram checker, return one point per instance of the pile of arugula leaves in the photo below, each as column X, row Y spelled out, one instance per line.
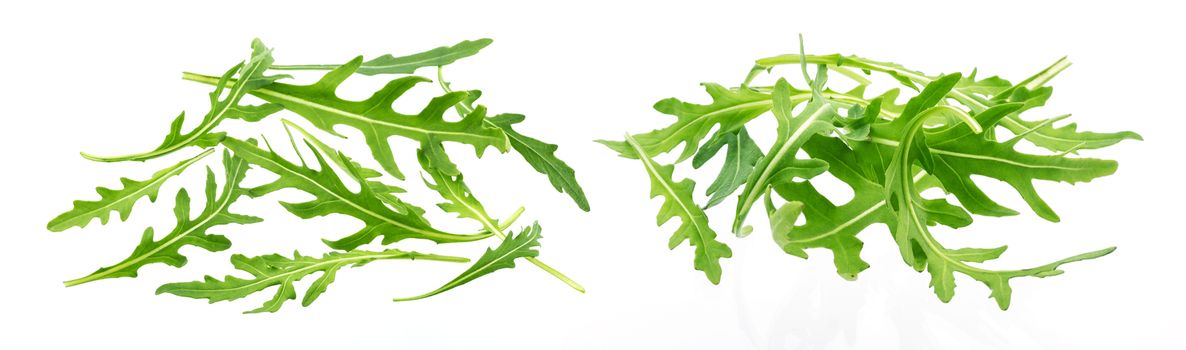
column 388, row 219
column 954, row 127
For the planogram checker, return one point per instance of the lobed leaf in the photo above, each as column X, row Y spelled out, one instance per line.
column 251, row 73
column 388, row 64
column 121, row 200
column 331, row 196
column 276, row 270
column 523, row 245
column 694, row 223
column 189, row 231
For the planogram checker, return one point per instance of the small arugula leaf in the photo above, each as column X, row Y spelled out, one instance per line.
column 461, row 201
column 523, row 245
column 189, row 231
column 793, row 131
column 273, row 269
column 319, row 104
column 250, row 72
column 542, row 157
column 121, row 200
column 740, row 159
column 388, row 64
column 331, row 196
column 452, row 187
column 694, row 223
column 729, row 108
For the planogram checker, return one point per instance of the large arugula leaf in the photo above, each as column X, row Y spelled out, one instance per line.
column 368, row 177
column 780, row 164
column 121, row 200
column 834, row 227
column 251, row 73
column 374, row 117
column 388, row 64
column 693, row 221
column 331, row 196
column 918, row 247
column 189, row 231
column 523, row 245
column 276, row 270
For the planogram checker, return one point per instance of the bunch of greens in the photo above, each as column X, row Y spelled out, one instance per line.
column 954, row 127
column 386, row 216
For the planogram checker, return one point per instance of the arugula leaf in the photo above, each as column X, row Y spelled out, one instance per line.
column 189, row 231
column 694, row 222
column 729, row 108
column 542, row 157
column 740, row 159
column 333, row 197
column 918, row 247
column 388, row 64
column 121, row 200
column 273, row 269
column 202, row 136
column 319, row 104
column 793, row 131
column 462, row 202
column 363, row 175
column 523, row 245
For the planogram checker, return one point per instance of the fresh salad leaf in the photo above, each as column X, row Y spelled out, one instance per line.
column 276, row 270
column 189, row 231
column 523, row 245
column 388, row 64
column 333, row 197
column 121, row 200
column 693, row 222
column 251, row 73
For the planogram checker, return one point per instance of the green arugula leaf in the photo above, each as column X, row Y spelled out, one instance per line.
column 363, row 175
column 121, row 200
column 542, row 157
column 461, row 201
column 189, row 231
column 740, row 159
column 272, row 270
column 228, row 107
column 523, row 245
column 388, row 64
column 319, row 104
column 793, row 131
column 333, row 197
column 694, row 223
column 918, row 247
column 729, row 108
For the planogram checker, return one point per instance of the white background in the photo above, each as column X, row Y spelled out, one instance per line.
column 104, row 78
